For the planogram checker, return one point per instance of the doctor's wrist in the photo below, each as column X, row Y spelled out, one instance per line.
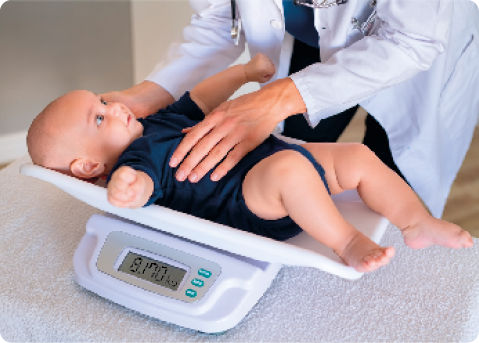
column 287, row 99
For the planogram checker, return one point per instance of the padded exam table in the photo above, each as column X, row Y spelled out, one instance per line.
column 422, row 295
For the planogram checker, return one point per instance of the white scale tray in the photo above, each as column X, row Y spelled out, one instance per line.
column 301, row 250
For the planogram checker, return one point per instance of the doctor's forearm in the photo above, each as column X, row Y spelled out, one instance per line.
column 143, row 99
column 151, row 97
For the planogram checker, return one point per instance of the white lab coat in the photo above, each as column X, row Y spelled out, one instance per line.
column 416, row 72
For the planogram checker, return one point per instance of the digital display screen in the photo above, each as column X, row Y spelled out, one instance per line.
column 157, row 272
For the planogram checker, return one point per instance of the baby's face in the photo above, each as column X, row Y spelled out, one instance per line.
column 104, row 129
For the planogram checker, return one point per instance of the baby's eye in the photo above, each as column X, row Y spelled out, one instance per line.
column 99, row 119
column 104, row 102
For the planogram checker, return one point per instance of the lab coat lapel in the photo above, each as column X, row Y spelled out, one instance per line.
column 279, row 4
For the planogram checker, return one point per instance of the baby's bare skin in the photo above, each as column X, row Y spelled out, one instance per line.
column 286, row 183
column 364, row 255
column 259, row 69
column 432, row 231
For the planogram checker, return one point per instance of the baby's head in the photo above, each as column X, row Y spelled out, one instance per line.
column 81, row 135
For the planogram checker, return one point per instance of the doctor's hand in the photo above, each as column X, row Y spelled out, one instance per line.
column 142, row 99
column 129, row 188
column 233, row 129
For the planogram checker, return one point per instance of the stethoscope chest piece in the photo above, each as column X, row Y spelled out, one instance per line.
column 236, row 24
column 235, row 31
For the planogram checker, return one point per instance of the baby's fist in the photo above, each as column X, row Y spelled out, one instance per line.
column 129, row 188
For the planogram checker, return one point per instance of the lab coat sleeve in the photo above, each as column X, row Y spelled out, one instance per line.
column 410, row 35
column 204, row 48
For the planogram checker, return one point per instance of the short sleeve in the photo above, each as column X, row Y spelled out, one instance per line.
column 187, row 107
column 139, row 156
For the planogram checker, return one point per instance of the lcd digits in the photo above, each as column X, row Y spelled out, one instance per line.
column 153, row 271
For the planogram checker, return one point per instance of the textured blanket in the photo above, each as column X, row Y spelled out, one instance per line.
column 422, row 295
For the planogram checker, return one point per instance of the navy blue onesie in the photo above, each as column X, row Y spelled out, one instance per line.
column 222, row 201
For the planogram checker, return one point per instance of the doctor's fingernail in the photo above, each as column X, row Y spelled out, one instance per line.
column 173, row 162
column 180, row 176
column 194, row 177
column 214, row 177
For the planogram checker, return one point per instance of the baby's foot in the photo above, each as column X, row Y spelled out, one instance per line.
column 364, row 255
column 433, row 231
column 260, row 69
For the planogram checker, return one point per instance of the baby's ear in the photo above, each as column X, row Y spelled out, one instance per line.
column 85, row 168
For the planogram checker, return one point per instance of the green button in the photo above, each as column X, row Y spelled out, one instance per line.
column 191, row 293
column 204, row 273
column 197, row 282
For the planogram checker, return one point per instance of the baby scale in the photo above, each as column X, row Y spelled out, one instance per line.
column 189, row 271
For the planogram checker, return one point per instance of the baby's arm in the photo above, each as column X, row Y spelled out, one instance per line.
column 129, row 188
column 216, row 89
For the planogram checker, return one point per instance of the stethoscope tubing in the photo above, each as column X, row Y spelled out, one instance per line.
column 233, row 10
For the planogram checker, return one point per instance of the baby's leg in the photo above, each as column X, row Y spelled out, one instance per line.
column 350, row 166
column 287, row 183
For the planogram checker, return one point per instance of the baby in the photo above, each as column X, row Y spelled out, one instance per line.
column 276, row 190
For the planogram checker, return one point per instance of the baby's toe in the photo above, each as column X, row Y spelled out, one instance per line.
column 466, row 239
column 389, row 252
column 378, row 258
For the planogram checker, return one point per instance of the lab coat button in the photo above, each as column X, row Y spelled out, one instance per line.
column 275, row 24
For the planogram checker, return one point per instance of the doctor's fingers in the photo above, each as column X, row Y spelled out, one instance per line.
column 234, row 156
column 230, row 147
column 209, row 132
column 211, row 149
column 192, row 137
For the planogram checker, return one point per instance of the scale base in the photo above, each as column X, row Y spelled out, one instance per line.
column 240, row 285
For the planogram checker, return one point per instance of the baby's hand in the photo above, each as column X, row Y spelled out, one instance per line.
column 260, row 69
column 129, row 188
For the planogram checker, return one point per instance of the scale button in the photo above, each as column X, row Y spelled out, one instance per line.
column 204, row 273
column 197, row 282
column 191, row 293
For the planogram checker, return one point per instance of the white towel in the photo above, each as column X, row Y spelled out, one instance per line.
column 422, row 295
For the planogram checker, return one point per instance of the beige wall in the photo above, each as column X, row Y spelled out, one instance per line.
column 155, row 24
column 48, row 48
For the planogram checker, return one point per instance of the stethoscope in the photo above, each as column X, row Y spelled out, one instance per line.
column 364, row 27
column 236, row 25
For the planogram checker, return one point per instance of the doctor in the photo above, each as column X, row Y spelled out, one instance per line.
column 413, row 65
